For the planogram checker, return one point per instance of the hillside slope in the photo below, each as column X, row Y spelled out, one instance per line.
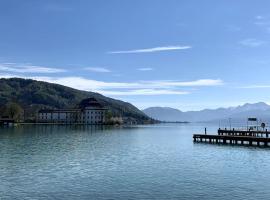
column 33, row 95
column 164, row 114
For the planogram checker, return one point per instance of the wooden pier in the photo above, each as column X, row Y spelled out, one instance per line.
column 239, row 137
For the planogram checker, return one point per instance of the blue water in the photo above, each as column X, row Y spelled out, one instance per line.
column 140, row 162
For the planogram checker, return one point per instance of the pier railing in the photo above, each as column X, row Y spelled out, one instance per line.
column 251, row 133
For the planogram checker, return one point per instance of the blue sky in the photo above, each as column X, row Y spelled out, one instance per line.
column 183, row 54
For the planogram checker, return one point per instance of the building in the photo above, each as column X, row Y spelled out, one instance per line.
column 89, row 111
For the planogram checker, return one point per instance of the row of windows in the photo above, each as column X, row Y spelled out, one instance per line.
column 94, row 112
column 96, row 117
column 71, row 117
column 66, row 121
column 68, row 114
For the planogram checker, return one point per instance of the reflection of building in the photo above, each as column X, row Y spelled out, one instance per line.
column 89, row 112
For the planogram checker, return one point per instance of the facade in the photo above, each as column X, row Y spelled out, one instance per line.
column 89, row 112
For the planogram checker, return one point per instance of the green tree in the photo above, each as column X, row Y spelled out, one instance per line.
column 108, row 115
column 14, row 111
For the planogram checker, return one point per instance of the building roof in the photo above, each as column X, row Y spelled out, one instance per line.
column 58, row 110
column 90, row 102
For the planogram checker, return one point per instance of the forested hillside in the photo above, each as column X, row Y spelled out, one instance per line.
column 32, row 95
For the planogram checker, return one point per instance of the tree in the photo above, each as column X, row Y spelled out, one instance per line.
column 108, row 115
column 14, row 111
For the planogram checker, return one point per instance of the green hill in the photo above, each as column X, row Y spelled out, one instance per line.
column 33, row 95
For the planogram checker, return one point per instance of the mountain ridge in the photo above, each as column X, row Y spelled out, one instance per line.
column 259, row 109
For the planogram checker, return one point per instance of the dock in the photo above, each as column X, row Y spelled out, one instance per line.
column 237, row 137
column 7, row 122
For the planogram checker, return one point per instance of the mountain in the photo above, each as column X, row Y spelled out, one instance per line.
column 33, row 95
column 164, row 113
column 260, row 110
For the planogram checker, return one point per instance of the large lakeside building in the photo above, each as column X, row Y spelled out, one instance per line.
column 90, row 111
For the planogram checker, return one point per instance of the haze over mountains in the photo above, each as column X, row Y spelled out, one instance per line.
column 259, row 110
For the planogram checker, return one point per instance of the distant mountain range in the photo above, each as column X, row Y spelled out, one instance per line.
column 259, row 110
column 33, row 95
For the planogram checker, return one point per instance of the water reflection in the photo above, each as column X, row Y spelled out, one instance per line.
column 139, row 162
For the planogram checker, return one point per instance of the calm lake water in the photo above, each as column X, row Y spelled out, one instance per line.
column 141, row 162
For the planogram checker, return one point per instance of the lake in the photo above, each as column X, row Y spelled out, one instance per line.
column 139, row 162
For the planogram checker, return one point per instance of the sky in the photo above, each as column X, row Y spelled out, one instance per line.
column 185, row 54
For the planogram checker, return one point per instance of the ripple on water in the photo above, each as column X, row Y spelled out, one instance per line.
column 140, row 162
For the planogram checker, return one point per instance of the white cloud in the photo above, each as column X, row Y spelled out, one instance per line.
column 263, row 22
column 28, row 68
column 198, row 83
column 142, row 92
column 126, row 88
column 145, row 69
column 151, row 50
column 88, row 84
column 251, row 42
column 98, row 69
column 259, row 17
column 255, row 87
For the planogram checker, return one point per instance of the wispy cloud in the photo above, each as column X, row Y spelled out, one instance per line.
column 196, row 83
column 28, row 68
column 145, row 92
column 259, row 17
column 145, row 69
column 98, row 69
column 254, row 87
column 251, row 42
column 126, row 88
column 151, row 50
column 263, row 22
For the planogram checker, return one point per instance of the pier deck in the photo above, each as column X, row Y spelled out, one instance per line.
column 232, row 139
